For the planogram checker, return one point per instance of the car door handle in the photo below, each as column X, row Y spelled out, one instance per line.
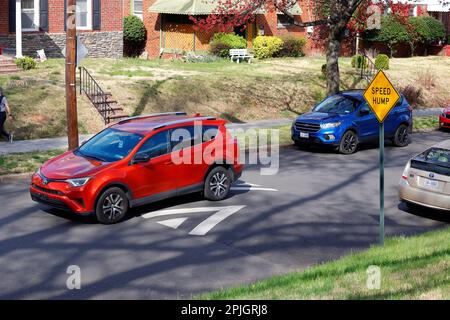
column 168, row 162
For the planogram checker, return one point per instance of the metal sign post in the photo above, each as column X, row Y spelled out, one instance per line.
column 381, row 238
column 382, row 98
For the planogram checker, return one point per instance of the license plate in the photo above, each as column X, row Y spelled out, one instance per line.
column 431, row 183
column 304, row 135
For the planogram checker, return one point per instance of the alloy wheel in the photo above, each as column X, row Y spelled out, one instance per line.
column 113, row 206
column 219, row 184
column 403, row 135
column 350, row 142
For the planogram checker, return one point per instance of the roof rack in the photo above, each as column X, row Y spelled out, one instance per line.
column 153, row 115
column 183, row 121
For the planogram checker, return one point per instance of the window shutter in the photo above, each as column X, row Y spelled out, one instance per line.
column 65, row 15
column 43, row 15
column 96, row 15
column 12, row 16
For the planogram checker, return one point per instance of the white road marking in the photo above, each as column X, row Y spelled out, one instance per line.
column 245, row 186
column 173, row 223
column 204, row 227
column 221, row 213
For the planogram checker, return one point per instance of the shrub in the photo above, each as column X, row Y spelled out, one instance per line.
column 437, row 29
column 358, row 61
column 382, row 62
column 267, row 47
column 133, row 29
column 412, row 94
column 26, row 63
column 134, row 36
column 292, row 46
column 223, row 42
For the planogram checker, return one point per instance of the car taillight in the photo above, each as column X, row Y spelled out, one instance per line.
column 410, row 108
column 406, row 171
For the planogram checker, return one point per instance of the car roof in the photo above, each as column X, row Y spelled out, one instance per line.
column 355, row 94
column 143, row 125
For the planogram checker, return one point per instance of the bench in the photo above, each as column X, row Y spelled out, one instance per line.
column 240, row 54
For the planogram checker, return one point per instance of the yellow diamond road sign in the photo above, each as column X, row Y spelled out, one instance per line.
column 381, row 96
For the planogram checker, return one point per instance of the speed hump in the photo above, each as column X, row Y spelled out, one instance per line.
column 381, row 96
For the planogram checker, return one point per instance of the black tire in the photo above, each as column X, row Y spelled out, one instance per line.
column 349, row 143
column 217, row 184
column 112, row 206
column 401, row 137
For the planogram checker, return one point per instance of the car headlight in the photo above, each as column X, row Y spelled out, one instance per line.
column 330, row 125
column 78, row 182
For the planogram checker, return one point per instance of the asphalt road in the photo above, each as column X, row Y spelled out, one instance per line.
column 325, row 206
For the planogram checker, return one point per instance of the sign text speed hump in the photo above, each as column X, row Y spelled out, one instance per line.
column 381, row 96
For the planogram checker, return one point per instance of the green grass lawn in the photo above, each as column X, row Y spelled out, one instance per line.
column 268, row 89
column 25, row 162
column 411, row 268
column 423, row 123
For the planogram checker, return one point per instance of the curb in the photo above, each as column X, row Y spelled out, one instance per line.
column 22, row 177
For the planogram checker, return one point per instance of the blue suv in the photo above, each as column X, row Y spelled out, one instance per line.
column 345, row 120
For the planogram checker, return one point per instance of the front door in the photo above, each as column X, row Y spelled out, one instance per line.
column 157, row 176
column 367, row 123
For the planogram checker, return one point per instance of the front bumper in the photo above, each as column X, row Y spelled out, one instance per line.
column 444, row 122
column 325, row 137
column 423, row 197
column 59, row 195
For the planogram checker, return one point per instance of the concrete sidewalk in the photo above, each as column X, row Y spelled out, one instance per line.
column 61, row 143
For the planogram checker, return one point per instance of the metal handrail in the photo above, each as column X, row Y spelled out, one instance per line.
column 95, row 93
column 368, row 72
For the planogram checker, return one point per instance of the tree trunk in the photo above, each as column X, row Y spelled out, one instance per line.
column 333, row 75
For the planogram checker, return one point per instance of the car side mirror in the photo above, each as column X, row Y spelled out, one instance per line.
column 141, row 158
column 364, row 112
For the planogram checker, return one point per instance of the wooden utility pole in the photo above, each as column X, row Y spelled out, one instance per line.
column 71, row 92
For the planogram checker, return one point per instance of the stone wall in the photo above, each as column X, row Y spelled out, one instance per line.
column 99, row 44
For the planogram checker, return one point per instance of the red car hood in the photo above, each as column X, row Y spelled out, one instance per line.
column 69, row 166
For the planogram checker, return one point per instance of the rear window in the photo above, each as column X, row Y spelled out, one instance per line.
column 435, row 160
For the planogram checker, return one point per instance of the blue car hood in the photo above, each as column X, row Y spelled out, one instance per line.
column 320, row 117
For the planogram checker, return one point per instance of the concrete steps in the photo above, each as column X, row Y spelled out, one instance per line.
column 7, row 65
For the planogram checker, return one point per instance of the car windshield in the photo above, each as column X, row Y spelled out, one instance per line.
column 110, row 145
column 336, row 104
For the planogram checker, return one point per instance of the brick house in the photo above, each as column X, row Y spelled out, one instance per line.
column 170, row 30
column 30, row 25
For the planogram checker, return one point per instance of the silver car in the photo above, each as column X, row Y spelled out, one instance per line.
column 426, row 179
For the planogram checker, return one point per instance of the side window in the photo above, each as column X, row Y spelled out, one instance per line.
column 210, row 133
column 184, row 137
column 157, row 145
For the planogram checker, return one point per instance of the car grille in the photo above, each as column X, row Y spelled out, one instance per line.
column 49, row 201
column 307, row 127
column 50, row 191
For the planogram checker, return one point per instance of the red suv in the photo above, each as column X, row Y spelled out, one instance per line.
column 141, row 160
column 444, row 119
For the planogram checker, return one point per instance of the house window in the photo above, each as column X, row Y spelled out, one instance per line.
column 137, row 8
column 84, row 14
column 30, row 15
column 285, row 21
